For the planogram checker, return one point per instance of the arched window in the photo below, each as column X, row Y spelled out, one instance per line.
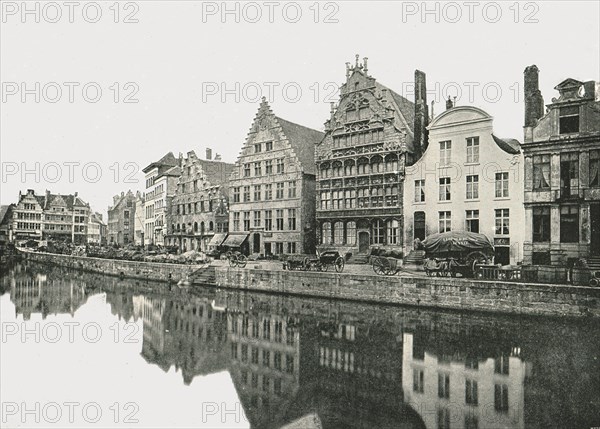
column 376, row 164
column 178, row 227
column 211, row 226
column 173, row 227
column 337, row 169
column 195, row 226
column 201, row 228
column 351, row 233
column 363, row 166
column 349, row 168
column 326, row 233
column 338, row 233
column 391, row 164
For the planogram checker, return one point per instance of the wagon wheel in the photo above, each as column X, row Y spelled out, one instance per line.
column 380, row 266
column 339, row 264
column 242, row 261
column 474, row 259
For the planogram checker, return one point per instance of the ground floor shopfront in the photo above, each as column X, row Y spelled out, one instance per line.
column 270, row 243
column 561, row 233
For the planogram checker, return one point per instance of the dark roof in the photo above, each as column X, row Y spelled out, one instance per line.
column 407, row 109
column 217, row 172
column 508, row 145
column 168, row 160
column 46, row 200
column 303, row 141
column 4, row 209
column 169, row 171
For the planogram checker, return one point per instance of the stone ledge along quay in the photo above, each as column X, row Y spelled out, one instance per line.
column 432, row 292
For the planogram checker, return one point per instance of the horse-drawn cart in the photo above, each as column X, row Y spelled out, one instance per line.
column 322, row 261
column 456, row 252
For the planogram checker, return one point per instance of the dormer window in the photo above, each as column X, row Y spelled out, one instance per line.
column 569, row 120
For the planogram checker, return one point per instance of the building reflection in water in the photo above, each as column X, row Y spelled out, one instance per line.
column 354, row 365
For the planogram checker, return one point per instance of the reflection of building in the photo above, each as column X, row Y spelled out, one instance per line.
column 6, row 213
column 140, row 219
column 121, row 219
column 562, row 172
column 265, row 361
column 272, row 188
column 467, row 180
column 33, row 292
column 186, row 334
column 199, row 207
column 360, row 163
column 161, row 181
column 452, row 386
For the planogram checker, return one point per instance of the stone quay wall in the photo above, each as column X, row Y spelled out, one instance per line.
column 130, row 269
column 447, row 293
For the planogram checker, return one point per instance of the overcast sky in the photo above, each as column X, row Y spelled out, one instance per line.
column 180, row 56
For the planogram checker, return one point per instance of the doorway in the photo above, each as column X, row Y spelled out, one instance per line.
column 419, row 226
column 256, row 243
column 502, row 255
column 595, row 229
column 363, row 242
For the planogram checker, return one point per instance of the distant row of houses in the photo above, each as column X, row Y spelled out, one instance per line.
column 386, row 172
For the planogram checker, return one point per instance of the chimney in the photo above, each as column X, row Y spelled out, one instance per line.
column 449, row 103
column 590, row 90
column 534, row 102
column 217, row 157
column 75, row 193
column 421, row 134
column 208, row 153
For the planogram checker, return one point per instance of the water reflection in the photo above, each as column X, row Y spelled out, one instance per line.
column 354, row 365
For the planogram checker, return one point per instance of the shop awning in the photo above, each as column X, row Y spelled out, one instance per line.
column 217, row 239
column 235, row 240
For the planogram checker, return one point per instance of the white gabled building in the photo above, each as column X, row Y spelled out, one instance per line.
column 468, row 179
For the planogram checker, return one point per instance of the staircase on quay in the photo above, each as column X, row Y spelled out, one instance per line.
column 204, row 276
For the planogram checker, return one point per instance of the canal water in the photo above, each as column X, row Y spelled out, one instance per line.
column 86, row 350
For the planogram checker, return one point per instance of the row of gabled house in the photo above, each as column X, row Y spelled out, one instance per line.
column 387, row 173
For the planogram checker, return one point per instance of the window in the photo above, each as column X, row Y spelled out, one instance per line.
column 391, row 196
column 292, row 219
column 445, row 223
column 278, row 248
column 471, row 392
column 326, row 233
column 502, row 221
column 246, row 221
column 265, row 353
column 291, row 247
column 280, row 168
column 569, row 224
column 257, row 222
column 349, row 198
column 445, row 152
column 268, row 192
column 255, row 349
column 236, row 221
column 257, row 147
column 393, row 227
column 246, row 170
column 472, row 224
column 443, row 385
column 568, row 118
column 541, row 172
column 541, row 224
column 501, row 185
column 279, row 191
column 338, row 233
column 257, row 169
column 338, row 200
column 501, row 397
column 325, row 197
column 292, row 189
column 269, row 166
column 268, row 146
column 472, row 187
column 351, row 233
column 257, row 192
column 277, row 360
column 418, row 380
column 378, row 232
column 594, row 168
column 473, row 149
column 445, row 189
column 246, row 194
column 569, row 174
column 420, row 191
column 501, row 365
column 279, row 220
column 268, row 220
column 349, row 168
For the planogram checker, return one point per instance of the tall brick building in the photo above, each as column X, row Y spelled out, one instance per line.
column 360, row 162
column 562, row 172
column 198, row 211
column 272, row 188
